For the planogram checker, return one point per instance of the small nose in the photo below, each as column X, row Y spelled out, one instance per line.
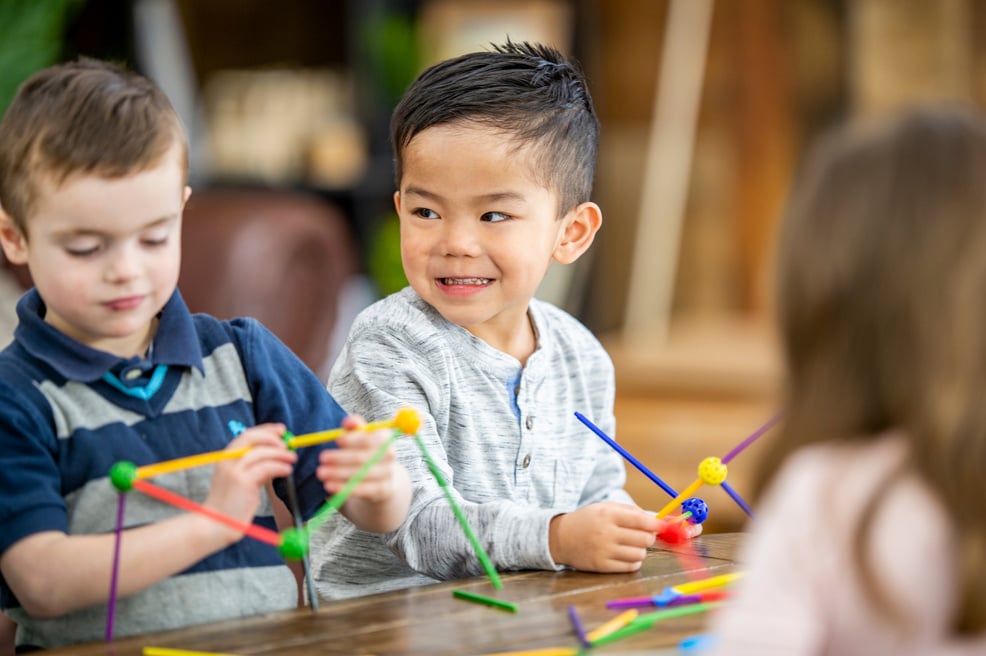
column 460, row 238
column 123, row 263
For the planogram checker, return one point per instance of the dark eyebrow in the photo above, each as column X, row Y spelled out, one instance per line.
column 490, row 198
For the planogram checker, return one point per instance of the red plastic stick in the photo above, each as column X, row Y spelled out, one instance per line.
column 256, row 532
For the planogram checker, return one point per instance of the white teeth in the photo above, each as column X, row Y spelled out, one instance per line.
column 465, row 281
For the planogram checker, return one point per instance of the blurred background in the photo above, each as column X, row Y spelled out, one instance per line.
column 706, row 109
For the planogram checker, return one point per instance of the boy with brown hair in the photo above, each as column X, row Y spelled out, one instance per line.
column 108, row 364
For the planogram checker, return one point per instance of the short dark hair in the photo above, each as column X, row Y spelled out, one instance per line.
column 85, row 116
column 529, row 91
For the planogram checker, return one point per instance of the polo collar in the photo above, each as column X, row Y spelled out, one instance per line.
column 176, row 342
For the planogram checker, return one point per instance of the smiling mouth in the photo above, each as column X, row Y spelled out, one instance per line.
column 465, row 281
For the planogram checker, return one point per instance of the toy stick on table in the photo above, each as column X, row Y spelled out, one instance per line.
column 613, row 625
column 648, row 620
column 577, row 626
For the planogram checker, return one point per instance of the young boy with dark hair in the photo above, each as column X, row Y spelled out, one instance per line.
column 495, row 154
column 108, row 364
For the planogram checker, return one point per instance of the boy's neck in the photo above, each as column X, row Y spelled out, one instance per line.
column 134, row 345
column 519, row 343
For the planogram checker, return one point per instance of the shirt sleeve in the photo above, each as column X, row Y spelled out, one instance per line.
column 376, row 374
column 30, row 481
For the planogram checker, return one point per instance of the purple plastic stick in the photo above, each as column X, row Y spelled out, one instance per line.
column 577, row 625
column 750, row 440
column 111, row 604
column 737, row 498
column 667, row 597
column 630, row 602
column 682, row 600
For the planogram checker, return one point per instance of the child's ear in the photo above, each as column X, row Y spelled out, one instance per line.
column 12, row 240
column 582, row 224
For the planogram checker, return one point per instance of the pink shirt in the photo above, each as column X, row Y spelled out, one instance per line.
column 802, row 593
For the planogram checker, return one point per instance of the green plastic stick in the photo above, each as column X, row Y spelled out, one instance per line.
column 484, row 559
column 489, row 601
column 647, row 620
column 339, row 498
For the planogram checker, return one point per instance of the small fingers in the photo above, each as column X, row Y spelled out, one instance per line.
column 259, row 434
column 624, row 559
column 363, row 439
column 353, row 422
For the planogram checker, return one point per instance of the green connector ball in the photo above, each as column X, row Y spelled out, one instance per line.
column 287, row 436
column 122, row 475
column 294, row 544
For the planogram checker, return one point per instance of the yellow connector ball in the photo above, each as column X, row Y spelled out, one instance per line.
column 407, row 421
column 712, row 471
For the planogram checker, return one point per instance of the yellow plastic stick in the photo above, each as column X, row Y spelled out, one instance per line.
column 168, row 466
column 614, row 624
column 684, row 494
column 706, row 584
column 407, row 421
column 547, row 651
column 308, row 439
column 164, row 651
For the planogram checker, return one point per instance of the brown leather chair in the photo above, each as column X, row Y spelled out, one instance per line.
column 281, row 257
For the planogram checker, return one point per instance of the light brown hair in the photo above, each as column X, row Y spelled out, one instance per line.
column 84, row 117
column 882, row 312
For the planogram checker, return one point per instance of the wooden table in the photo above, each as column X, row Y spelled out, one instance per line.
column 429, row 620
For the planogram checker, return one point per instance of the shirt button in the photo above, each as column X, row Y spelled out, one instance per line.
column 530, row 422
column 527, row 461
column 132, row 374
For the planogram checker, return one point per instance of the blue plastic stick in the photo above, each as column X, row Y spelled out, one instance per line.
column 626, row 454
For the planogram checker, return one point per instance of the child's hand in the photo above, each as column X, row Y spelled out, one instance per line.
column 380, row 501
column 675, row 530
column 337, row 466
column 236, row 483
column 603, row 537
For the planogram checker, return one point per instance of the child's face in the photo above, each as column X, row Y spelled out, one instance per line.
column 477, row 232
column 104, row 253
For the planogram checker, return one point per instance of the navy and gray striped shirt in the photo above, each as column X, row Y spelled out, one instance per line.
column 69, row 412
